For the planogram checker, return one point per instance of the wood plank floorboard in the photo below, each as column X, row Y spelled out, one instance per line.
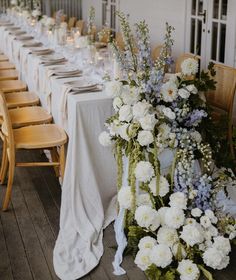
column 29, row 229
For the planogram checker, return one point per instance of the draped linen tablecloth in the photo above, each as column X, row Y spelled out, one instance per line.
column 89, row 187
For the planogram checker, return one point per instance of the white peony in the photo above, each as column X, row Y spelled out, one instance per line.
column 148, row 122
column 222, row 244
column 105, row 139
column 205, row 221
column 147, row 242
column 162, row 214
column 113, row 88
column 129, row 95
column 174, row 217
column 125, row 113
column 142, row 259
column 213, row 257
column 184, row 93
column 169, row 91
column 188, row 270
column 189, row 66
column 164, row 186
column 196, row 212
column 161, row 255
column 123, row 131
column 144, row 171
column 178, row 200
column 169, row 113
column 192, row 89
column 124, row 197
column 192, row 234
column 167, row 235
column 117, row 103
column 145, row 138
column 144, row 215
column 141, row 109
column 144, row 199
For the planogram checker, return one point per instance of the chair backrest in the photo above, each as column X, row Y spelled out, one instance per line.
column 105, row 38
column 71, row 22
column 223, row 96
column 156, row 52
column 181, row 58
column 119, row 41
column 80, row 25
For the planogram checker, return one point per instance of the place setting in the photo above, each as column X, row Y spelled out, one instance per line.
column 52, row 59
column 64, row 71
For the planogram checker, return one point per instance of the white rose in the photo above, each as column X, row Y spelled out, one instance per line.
column 117, row 103
column 141, row 109
column 213, row 258
column 124, row 197
column 184, row 93
column 144, row 199
column 169, row 91
column 129, row 95
column 189, row 66
column 196, row 212
column 161, row 255
column 192, row 89
column 164, row 186
column 222, row 244
column 174, row 217
column 147, row 242
column 105, row 139
column 144, row 215
column 188, row 270
column 205, row 221
column 113, row 88
column 192, row 234
column 142, row 259
column 145, row 138
column 148, row 122
column 169, row 113
column 178, row 200
column 167, row 235
column 125, row 113
column 144, row 171
column 123, row 132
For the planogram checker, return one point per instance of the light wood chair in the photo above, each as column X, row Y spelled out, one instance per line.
column 106, row 36
column 119, row 41
column 3, row 58
column 46, row 136
column 181, row 58
column 6, row 65
column 12, row 86
column 21, row 99
column 71, row 22
column 80, row 25
column 156, row 52
column 221, row 100
column 8, row 75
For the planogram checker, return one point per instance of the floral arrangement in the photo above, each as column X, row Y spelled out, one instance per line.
column 176, row 218
column 36, row 12
column 91, row 19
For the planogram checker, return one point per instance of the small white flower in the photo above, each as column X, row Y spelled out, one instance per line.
column 222, row 244
column 147, row 242
column 189, row 66
column 168, row 113
column 192, row 234
column 148, row 122
column 192, row 194
column 113, row 88
column 144, row 199
column 178, row 200
column 117, row 103
column 205, row 221
column 164, row 186
column 192, row 89
column 161, row 255
column 142, row 259
column 188, row 270
column 169, row 91
column 145, row 138
column 105, row 139
column 168, row 236
column 125, row 113
column 141, row 109
column 174, row 217
column 184, row 93
column 190, row 221
column 144, row 215
column 124, row 197
column 123, row 129
column 144, row 171
column 196, row 212
column 165, row 130
column 196, row 136
column 129, row 95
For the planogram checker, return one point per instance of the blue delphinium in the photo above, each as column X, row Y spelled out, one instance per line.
column 195, row 117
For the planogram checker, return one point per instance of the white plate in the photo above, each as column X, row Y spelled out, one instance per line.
column 83, row 84
column 53, row 57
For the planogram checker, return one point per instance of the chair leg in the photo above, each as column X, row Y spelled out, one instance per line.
column 4, row 162
column 54, row 157
column 62, row 161
column 9, row 184
column 231, row 144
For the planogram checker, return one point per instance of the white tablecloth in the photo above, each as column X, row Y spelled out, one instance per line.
column 89, row 184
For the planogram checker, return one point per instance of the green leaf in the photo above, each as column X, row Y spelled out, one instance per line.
column 153, row 273
column 170, row 275
column 206, row 273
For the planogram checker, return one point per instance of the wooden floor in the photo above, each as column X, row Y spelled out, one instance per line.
column 28, row 231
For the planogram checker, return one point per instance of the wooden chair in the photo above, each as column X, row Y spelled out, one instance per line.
column 106, row 36
column 8, row 75
column 21, row 99
column 93, row 33
column 3, row 58
column 6, row 65
column 80, row 25
column 12, row 86
column 221, row 100
column 71, row 22
column 119, row 41
column 181, row 58
column 156, row 52
column 46, row 136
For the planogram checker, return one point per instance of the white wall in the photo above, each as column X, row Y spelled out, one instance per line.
column 155, row 12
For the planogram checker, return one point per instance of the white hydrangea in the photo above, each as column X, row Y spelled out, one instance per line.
column 174, row 217
column 129, row 95
column 196, row 136
column 161, row 255
column 124, row 197
column 125, row 113
column 189, row 66
column 192, row 234
column 188, row 270
column 141, row 109
column 144, row 171
column 205, row 221
column 192, row 89
column 169, row 91
column 167, row 235
column 162, row 214
column 142, row 259
column 178, row 200
column 196, row 212
column 113, row 88
column 144, row 215
column 213, row 258
column 144, row 199
column 222, row 244
column 164, row 186
column 169, row 113
column 117, row 103
column 145, row 138
column 105, row 139
column 148, row 122
column 123, row 131
column 147, row 242
column 184, row 93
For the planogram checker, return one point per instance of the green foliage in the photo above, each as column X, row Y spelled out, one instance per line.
column 135, row 233
column 155, row 273
column 206, row 273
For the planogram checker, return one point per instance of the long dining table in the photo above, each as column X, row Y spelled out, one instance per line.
column 88, row 202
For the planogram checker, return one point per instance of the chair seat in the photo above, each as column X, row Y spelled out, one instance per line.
column 3, row 58
column 12, row 86
column 8, row 75
column 29, row 116
column 21, row 99
column 6, row 65
column 39, row 136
